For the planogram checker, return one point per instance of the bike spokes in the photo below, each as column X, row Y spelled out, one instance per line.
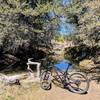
column 78, row 83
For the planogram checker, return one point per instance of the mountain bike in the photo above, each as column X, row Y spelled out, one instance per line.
column 76, row 82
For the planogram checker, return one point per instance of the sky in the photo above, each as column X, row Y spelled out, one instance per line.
column 63, row 28
column 65, row 2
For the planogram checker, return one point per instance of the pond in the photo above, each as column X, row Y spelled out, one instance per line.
column 64, row 28
column 63, row 65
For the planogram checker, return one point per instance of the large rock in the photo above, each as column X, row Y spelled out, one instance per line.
column 87, row 64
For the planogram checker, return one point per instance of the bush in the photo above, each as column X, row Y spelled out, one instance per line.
column 78, row 53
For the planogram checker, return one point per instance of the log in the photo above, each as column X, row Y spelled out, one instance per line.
column 11, row 80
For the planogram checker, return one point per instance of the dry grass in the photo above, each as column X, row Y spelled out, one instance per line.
column 32, row 91
column 24, row 92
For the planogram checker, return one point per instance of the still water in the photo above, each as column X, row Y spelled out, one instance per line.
column 63, row 65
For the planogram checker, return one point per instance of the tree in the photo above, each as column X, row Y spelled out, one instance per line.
column 21, row 30
column 85, row 14
column 20, row 24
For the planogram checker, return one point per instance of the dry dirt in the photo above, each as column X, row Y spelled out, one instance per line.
column 34, row 92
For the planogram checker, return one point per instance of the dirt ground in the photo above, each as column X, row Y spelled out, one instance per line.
column 34, row 92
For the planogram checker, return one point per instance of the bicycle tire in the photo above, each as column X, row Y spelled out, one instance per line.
column 77, row 89
column 45, row 80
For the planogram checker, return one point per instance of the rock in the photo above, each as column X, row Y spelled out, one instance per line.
column 87, row 64
column 97, row 60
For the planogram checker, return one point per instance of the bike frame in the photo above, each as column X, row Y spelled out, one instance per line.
column 64, row 75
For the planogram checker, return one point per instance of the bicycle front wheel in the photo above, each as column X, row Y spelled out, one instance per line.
column 45, row 80
column 78, row 83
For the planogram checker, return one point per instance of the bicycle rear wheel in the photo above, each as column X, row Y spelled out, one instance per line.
column 45, row 80
column 78, row 83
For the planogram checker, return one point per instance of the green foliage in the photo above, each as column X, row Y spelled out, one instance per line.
column 22, row 32
column 86, row 15
column 58, row 37
column 9, row 98
column 75, row 53
column 20, row 24
column 78, row 53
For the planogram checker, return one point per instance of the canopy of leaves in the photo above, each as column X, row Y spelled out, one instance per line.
column 86, row 15
column 20, row 24
column 78, row 53
column 22, row 32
